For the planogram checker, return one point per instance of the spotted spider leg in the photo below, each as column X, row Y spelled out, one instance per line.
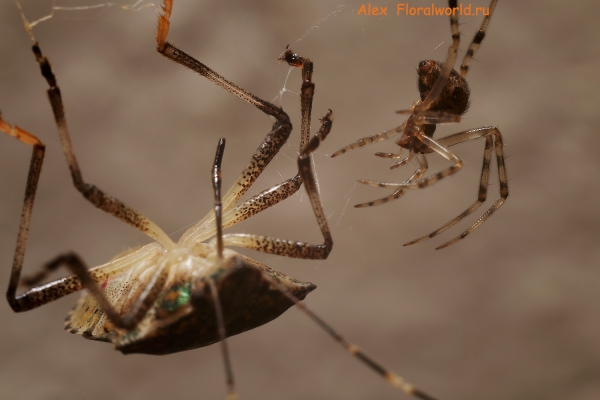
column 35, row 168
column 305, row 167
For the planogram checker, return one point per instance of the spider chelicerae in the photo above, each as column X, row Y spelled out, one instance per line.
column 167, row 296
column 444, row 96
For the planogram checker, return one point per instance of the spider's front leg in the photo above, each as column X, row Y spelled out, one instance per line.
column 399, row 192
column 370, row 140
column 430, row 180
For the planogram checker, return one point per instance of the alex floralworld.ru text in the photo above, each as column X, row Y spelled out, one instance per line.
column 406, row 9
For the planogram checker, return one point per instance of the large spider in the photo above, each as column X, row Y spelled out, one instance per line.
column 444, row 98
column 167, row 297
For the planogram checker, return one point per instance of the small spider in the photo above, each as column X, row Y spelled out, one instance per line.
column 167, row 297
column 444, row 98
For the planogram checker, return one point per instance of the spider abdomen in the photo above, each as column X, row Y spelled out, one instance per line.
column 454, row 98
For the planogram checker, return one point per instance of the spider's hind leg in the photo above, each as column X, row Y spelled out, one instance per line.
column 493, row 140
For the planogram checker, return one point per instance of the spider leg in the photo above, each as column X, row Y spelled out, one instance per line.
column 305, row 170
column 390, row 376
column 390, row 155
column 282, row 191
column 90, row 192
column 444, row 152
column 436, row 117
column 439, row 84
column 370, row 139
column 479, row 36
column 54, row 290
column 493, row 139
column 430, row 180
column 411, row 154
column 397, row 155
column 287, row 247
column 398, row 192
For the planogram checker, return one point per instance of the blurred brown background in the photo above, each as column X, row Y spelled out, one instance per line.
column 512, row 312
